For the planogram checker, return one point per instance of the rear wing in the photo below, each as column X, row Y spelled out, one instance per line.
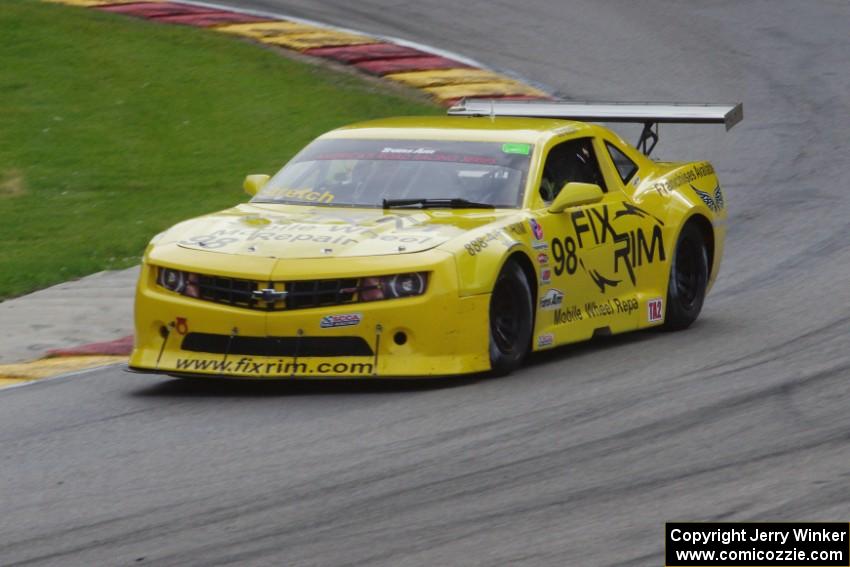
column 650, row 114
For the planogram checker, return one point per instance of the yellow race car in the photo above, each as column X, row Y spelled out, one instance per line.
column 436, row 246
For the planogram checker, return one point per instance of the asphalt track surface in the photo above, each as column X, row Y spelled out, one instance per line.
column 577, row 459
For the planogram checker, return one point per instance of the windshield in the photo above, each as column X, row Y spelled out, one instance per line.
column 355, row 173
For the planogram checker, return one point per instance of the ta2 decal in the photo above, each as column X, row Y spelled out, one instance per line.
column 655, row 310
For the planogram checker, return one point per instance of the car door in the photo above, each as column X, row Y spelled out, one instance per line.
column 642, row 254
column 592, row 252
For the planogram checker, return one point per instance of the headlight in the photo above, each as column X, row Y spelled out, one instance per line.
column 405, row 285
column 391, row 287
column 185, row 283
column 172, row 280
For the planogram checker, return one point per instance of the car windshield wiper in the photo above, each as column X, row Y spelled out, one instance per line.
column 434, row 203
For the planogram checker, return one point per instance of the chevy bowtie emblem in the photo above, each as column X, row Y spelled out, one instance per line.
column 269, row 294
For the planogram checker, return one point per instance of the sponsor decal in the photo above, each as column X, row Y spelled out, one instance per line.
column 327, row 229
column 301, row 194
column 347, row 320
column 545, row 276
column 714, row 203
column 517, row 228
column 611, row 307
column 655, row 310
column 545, row 340
column 262, row 366
column 666, row 186
column 536, row 229
column 601, row 281
column 516, row 148
column 568, row 315
column 634, row 210
column 543, row 259
column 541, row 245
column 551, row 299
column 476, row 245
column 595, row 309
column 181, row 325
column 408, row 151
column 597, row 227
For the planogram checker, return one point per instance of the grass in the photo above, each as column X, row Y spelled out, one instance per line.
column 113, row 129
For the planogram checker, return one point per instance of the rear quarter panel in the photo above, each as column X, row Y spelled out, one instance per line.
column 679, row 192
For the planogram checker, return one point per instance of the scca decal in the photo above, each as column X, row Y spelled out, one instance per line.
column 347, row 320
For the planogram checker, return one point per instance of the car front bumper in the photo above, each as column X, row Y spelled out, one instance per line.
column 439, row 333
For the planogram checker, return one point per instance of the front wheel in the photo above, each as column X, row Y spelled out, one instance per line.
column 511, row 320
column 688, row 279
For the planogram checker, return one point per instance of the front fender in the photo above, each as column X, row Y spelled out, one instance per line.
column 481, row 253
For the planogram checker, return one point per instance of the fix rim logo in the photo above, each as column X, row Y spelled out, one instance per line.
column 632, row 248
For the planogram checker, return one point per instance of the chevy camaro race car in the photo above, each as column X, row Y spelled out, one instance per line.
column 435, row 246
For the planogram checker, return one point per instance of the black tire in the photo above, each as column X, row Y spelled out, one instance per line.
column 688, row 279
column 511, row 320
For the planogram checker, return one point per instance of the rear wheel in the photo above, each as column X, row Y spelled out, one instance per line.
column 511, row 320
column 688, row 279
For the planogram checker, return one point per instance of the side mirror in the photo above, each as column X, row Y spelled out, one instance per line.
column 574, row 194
column 253, row 183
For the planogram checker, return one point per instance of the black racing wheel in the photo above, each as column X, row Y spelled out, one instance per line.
column 511, row 320
column 688, row 279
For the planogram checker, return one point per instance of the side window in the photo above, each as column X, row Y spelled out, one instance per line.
column 626, row 168
column 574, row 160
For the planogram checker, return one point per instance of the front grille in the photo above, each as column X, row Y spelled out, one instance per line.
column 317, row 293
column 299, row 294
column 277, row 346
column 229, row 291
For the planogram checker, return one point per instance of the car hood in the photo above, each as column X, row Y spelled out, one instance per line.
column 291, row 231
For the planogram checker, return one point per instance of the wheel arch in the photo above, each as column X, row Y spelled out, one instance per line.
column 527, row 267
column 705, row 227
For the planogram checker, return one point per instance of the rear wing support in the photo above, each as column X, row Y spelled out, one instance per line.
column 650, row 114
column 648, row 137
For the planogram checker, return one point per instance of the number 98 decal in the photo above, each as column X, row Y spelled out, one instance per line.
column 564, row 253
